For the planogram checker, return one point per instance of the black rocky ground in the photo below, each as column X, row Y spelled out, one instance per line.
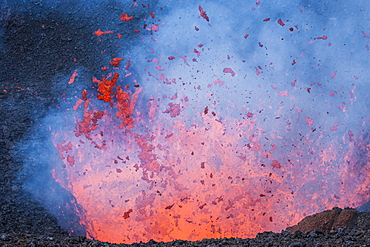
column 339, row 237
column 38, row 46
column 354, row 231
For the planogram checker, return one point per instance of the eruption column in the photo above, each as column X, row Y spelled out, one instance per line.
column 221, row 127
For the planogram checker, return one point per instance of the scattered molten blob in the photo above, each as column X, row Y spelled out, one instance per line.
column 73, row 76
column 125, row 17
column 203, row 13
column 100, row 32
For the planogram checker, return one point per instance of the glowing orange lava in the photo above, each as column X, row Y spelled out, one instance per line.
column 146, row 166
column 168, row 181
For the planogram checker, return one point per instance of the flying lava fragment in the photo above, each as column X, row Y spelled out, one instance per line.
column 125, row 17
column 203, row 13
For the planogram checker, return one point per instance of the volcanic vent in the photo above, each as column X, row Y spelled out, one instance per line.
column 208, row 126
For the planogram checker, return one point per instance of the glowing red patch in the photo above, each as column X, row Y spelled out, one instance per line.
column 229, row 70
column 125, row 17
column 203, row 13
column 100, row 32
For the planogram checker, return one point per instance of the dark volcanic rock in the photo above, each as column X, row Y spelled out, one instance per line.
column 326, row 221
column 355, row 232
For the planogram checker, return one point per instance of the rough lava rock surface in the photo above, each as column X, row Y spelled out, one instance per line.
column 326, row 221
column 347, row 227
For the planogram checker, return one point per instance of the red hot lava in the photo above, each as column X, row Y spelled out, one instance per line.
column 141, row 171
column 178, row 182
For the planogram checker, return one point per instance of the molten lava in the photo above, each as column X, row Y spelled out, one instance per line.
column 139, row 176
column 162, row 164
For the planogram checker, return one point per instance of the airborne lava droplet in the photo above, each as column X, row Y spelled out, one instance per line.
column 203, row 13
column 84, row 94
column 366, row 35
column 276, row 164
column 115, row 61
column 128, row 65
column 281, row 22
column 333, row 128
column 64, row 148
column 126, row 215
column 105, row 87
column 185, row 61
column 125, row 17
column 71, row 160
column 77, row 105
column 73, row 76
column 218, row 82
column 155, row 28
column 202, row 165
column 258, row 72
column 309, row 121
column 174, row 110
column 100, row 32
column 89, row 121
column 125, row 106
column 228, row 70
column 350, row 134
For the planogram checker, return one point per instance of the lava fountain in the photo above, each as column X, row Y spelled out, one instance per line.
column 222, row 121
